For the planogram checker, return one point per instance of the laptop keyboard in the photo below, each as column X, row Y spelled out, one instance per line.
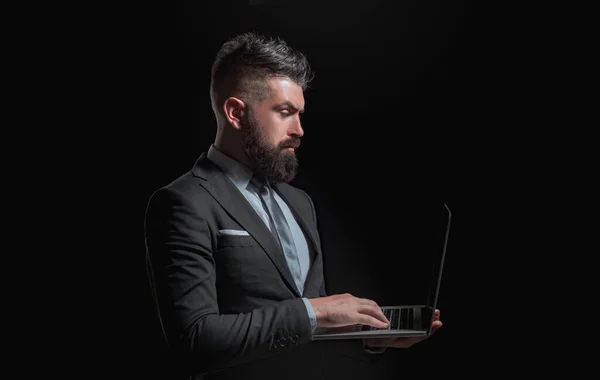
column 400, row 319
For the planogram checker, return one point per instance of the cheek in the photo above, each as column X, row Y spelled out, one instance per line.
column 275, row 131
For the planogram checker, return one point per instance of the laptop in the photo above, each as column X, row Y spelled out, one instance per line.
column 405, row 320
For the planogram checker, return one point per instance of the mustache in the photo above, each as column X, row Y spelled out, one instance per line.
column 294, row 142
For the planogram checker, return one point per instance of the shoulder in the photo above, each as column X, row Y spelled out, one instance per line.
column 183, row 190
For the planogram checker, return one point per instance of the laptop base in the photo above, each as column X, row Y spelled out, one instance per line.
column 407, row 321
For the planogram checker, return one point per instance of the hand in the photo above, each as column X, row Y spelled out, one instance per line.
column 345, row 310
column 405, row 342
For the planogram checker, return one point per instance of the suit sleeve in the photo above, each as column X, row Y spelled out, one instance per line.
column 179, row 247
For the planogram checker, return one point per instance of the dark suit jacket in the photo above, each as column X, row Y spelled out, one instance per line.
column 228, row 303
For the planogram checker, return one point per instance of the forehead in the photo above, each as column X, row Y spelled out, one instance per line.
column 285, row 90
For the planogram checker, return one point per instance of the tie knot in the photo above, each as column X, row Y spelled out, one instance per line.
column 260, row 184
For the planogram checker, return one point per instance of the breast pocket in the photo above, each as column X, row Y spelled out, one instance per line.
column 241, row 260
column 238, row 257
column 225, row 241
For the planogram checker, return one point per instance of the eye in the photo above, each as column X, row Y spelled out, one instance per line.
column 285, row 113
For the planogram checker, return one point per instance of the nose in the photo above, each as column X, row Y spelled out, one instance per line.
column 297, row 128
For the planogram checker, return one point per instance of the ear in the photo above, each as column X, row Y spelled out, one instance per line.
column 234, row 110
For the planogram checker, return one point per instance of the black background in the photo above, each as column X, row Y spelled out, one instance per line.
column 406, row 112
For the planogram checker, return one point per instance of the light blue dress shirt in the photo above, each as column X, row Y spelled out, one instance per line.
column 241, row 175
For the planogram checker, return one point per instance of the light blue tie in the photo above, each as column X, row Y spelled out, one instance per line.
column 280, row 229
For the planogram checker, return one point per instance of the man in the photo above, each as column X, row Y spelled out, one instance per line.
column 233, row 249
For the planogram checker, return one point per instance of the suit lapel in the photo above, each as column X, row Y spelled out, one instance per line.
column 236, row 205
column 306, row 225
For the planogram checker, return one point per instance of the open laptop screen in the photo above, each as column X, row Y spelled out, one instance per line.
column 437, row 260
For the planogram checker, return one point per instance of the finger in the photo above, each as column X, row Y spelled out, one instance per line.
column 436, row 315
column 405, row 342
column 435, row 326
column 374, row 311
column 373, row 342
column 368, row 302
column 386, row 342
column 372, row 305
column 370, row 321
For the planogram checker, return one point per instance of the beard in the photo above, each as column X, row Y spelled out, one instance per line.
column 273, row 162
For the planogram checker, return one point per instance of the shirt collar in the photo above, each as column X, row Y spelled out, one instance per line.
column 239, row 174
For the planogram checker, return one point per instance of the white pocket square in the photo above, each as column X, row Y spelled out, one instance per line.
column 234, row 232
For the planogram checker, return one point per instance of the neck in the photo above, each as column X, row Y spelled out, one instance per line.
column 233, row 151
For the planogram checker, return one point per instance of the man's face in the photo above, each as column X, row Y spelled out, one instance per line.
column 273, row 131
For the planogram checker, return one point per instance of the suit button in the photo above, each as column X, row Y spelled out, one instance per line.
column 293, row 339
column 283, row 342
column 276, row 344
column 296, row 337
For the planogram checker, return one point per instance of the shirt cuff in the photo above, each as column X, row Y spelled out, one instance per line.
column 311, row 314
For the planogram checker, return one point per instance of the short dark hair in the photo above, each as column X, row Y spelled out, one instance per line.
column 246, row 61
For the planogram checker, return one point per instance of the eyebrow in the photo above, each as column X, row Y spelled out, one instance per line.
column 288, row 104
